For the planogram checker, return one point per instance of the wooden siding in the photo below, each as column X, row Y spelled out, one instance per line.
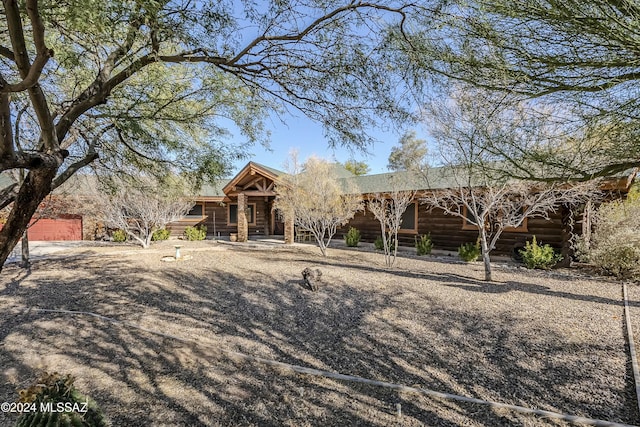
column 216, row 221
column 447, row 233
column 261, row 226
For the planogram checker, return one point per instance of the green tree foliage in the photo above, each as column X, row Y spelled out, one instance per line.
column 577, row 57
column 409, row 154
column 357, row 168
column 154, row 85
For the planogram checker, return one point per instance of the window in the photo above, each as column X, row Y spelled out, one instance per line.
column 466, row 222
column 233, row 214
column 410, row 219
column 196, row 212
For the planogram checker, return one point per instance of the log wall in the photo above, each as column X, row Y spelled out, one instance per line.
column 447, row 233
column 216, row 220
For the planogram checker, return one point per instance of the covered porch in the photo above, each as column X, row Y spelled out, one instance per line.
column 250, row 209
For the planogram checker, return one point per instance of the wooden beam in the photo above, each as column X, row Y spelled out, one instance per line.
column 254, row 193
column 252, row 182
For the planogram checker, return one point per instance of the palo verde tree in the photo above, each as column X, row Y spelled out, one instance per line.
column 579, row 56
column 152, row 84
column 316, row 198
column 463, row 126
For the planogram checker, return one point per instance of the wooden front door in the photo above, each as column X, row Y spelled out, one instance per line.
column 277, row 221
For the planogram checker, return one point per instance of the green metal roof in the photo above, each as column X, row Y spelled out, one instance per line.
column 434, row 178
column 213, row 189
column 272, row 170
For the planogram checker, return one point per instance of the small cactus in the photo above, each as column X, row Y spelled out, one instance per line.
column 57, row 403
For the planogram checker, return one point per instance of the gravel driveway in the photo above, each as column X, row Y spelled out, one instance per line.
column 547, row 340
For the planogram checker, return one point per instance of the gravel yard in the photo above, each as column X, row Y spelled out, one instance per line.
column 546, row 340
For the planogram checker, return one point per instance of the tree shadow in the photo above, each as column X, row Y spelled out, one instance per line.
column 475, row 285
column 397, row 335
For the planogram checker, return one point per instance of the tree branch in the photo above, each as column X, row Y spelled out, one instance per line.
column 30, row 73
column 6, row 136
column 7, row 53
column 73, row 168
column 8, row 195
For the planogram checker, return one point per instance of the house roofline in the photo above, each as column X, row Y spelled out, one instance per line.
column 250, row 168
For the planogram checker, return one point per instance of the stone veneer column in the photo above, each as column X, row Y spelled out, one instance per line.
column 288, row 227
column 243, row 225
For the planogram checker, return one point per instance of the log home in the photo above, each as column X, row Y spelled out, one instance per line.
column 243, row 208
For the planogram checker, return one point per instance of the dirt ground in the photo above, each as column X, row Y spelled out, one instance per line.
column 546, row 340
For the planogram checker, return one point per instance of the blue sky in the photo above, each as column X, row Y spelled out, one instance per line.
column 307, row 138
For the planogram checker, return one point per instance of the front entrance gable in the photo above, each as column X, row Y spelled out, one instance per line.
column 251, row 193
column 253, row 180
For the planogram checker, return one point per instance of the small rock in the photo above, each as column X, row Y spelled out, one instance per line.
column 311, row 278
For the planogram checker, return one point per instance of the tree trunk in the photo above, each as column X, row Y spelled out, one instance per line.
column 323, row 247
column 26, row 262
column 485, row 257
column 36, row 186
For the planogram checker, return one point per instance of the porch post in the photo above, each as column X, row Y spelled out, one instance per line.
column 243, row 225
column 267, row 217
column 288, row 227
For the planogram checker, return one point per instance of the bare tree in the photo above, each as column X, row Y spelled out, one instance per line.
column 141, row 209
column 465, row 126
column 388, row 208
column 316, row 198
column 495, row 207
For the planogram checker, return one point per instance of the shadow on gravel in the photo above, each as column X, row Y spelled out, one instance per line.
column 475, row 285
column 142, row 379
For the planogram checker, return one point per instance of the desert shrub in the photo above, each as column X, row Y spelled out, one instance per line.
column 424, row 245
column 469, row 251
column 54, row 390
column 622, row 261
column 539, row 256
column 615, row 244
column 162, row 234
column 378, row 243
column 119, row 236
column 352, row 238
column 195, row 233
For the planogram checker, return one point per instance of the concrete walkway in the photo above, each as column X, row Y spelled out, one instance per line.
column 38, row 250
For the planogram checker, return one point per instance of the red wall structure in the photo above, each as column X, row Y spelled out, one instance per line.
column 50, row 229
